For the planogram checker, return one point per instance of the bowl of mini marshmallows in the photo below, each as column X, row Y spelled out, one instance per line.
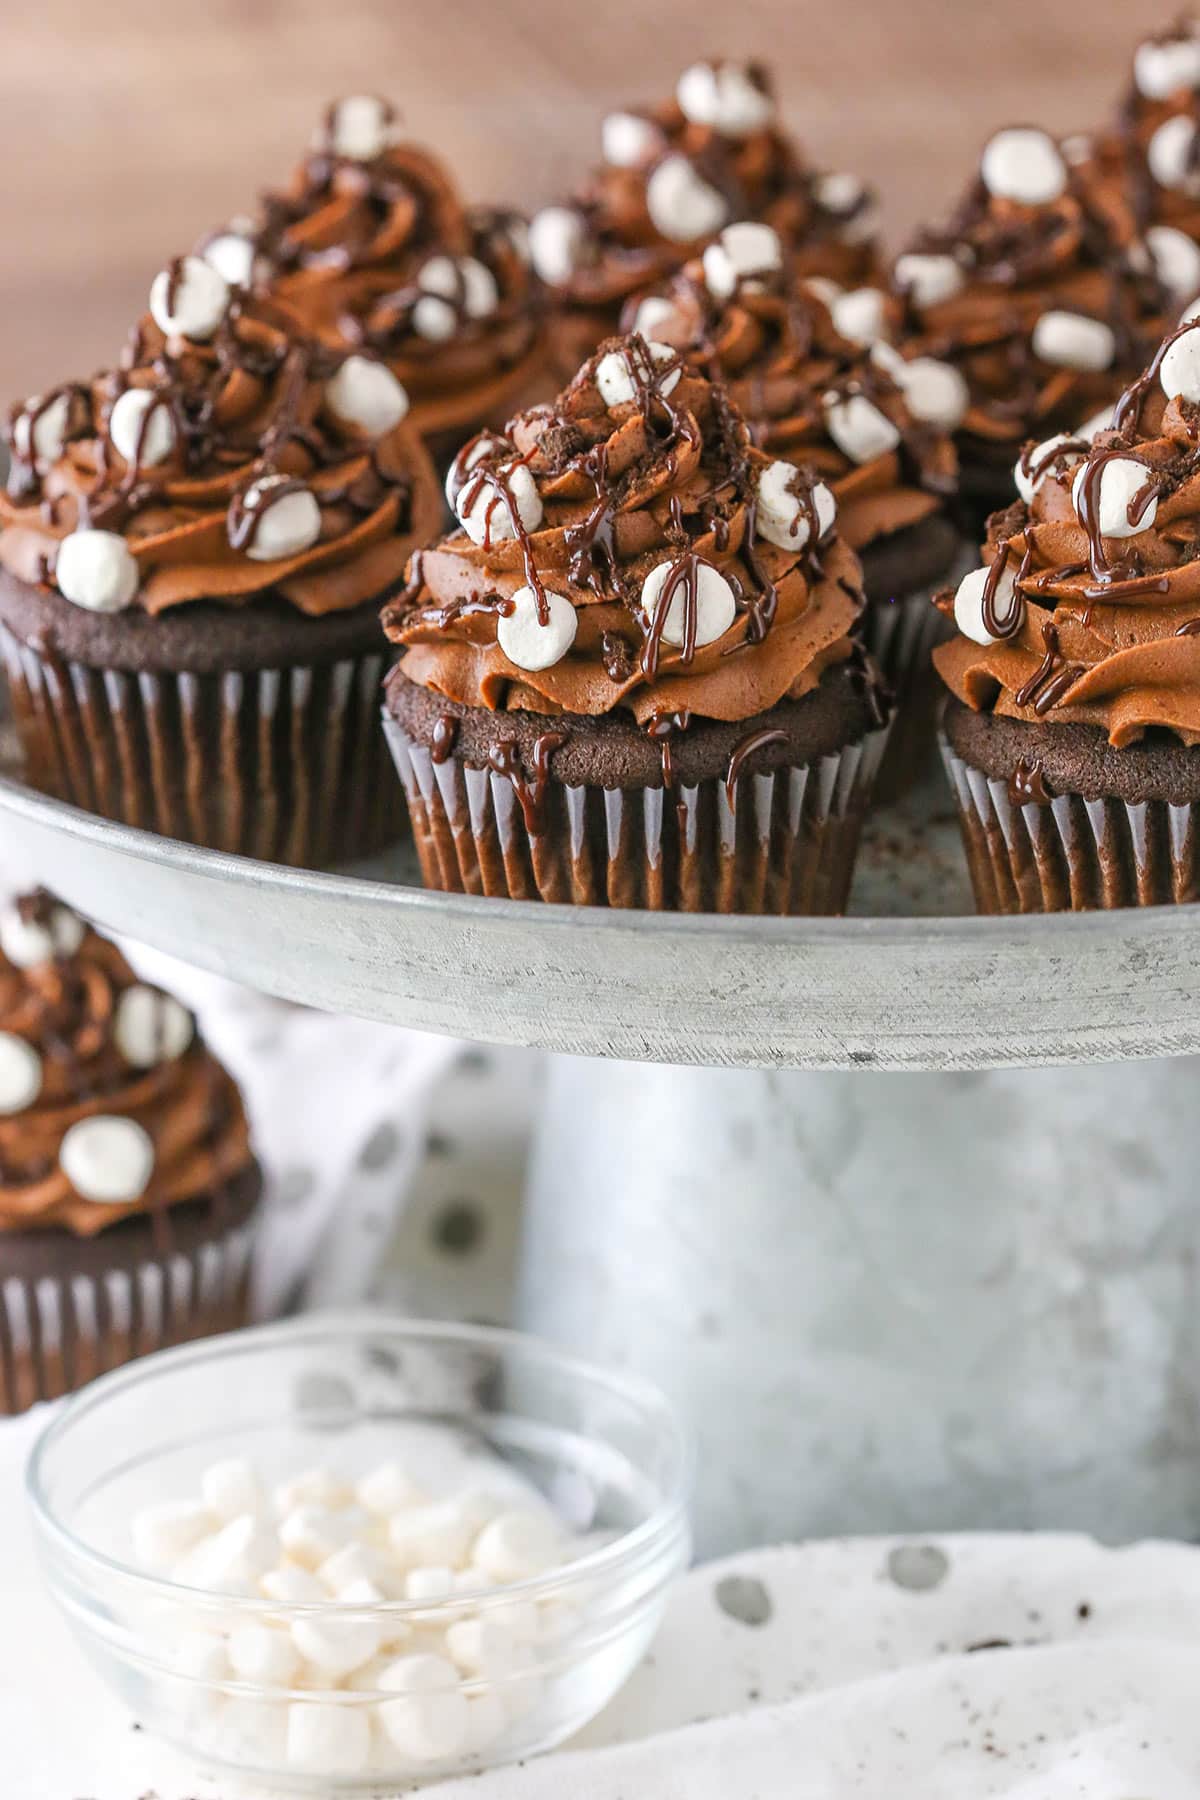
column 339, row 1553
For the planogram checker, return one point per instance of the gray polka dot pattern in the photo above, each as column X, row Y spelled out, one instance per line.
column 918, row 1567
column 744, row 1598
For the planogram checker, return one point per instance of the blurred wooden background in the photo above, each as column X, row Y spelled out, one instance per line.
column 133, row 125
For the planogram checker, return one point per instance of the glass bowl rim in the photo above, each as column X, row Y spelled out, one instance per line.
column 667, row 1521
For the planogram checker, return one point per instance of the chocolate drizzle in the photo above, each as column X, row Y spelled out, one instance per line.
column 742, row 751
column 1027, row 784
column 504, row 759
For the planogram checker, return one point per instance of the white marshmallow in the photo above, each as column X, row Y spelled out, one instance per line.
column 311, row 1533
column 20, row 1074
column 462, row 280
column 428, row 1584
column 1166, row 68
column 431, row 1536
column 336, row 1646
column 285, row 526
column 232, row 255
column 781, row 517
column 936, row 392
column 483, row 503
column 366, row 394
column 521, row 1544
column 1120, row 481
column 484, row 448
column 252, row 1733
column 96, row 570
column 1077, row 149
column 557, row 238
column 125, row 427
column 929, row 280
column 353, row 1563
column 233, row 1561
column 27, row 943
column 198, row 304
column 1028, row 484
column 681, row 204
column 839, row 192
column 1176, row 261
column 386, row 1489
column 627, row 140
column 858, row 428
column 360, row 127
column 201, row 1656
column 968, row 603
column 107, row 1160
column 328, row 1739
column 825, row 290
column 520, row 1619
column 230, row 1487
column 167, row 1530
column 41, row 435
column 1179, row 370
column 723, row 96
column 742, row 251
column 653, row 313
column 1024, row 164
column 618, row 371
column 1099, row 421
column 529, row 643
column 1071, row 341
column 428, row 1719
column 292, row 1586
column 149, row 1028
column 716, row 610
column 860, row 314
column 486, row 1721
column 318, row 1486
column 480, row 1646
column 434, row 319
column 1171, row 155
column 263, row 1654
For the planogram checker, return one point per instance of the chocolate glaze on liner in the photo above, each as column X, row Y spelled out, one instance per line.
column 86, row 1285
column 232, row 702
column 726, row 772
column 758, row 173
column 1073, row 733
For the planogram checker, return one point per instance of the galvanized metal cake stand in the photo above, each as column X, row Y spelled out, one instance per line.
column 964, row 1295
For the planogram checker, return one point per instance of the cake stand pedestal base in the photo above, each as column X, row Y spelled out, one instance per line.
column 889, row 1302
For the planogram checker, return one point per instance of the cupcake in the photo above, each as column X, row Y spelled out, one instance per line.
column 671, row 178
column 193, row 551
column 632, row 676
column 373, row 248
column 1039, row 290
column 1072, row 734
column 128, row 1189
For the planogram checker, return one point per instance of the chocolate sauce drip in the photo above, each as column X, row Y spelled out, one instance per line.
column 504, row 758
column 1051, row 679
column 742, row 750
column 1004, row 625
column 497, row 477
column 1189, row 628
column 661, row 728
column 617, row 656
column 248, row 509
column 445, row 736
column 593, row 540
column 1105, row 573
column 1027, row 784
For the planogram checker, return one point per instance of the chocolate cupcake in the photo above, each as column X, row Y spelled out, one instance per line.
column 128, row 1189
column 1073, row 733
column 193, row 551
column 1039, row 290
column 673, row 176
column 373, row 248
column 632, row 678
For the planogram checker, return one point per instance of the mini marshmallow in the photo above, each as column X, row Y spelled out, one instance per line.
column 284, row 526
column 619, row 373
column 1099, row 421
column 431, row 1536
column 782, row 517
column 1024, row 164
column 366, row 394
column 428, row 1719
column 336, row 1646
column 653, row 314
column 1166, row 68
column 928, row 280
column 149, row 440
column 434, row 319
column 189, row 299
column 840, row 192
column 231, row 253
column 27, row 942
column 353, row 1563
column 858, row 428
column 328, row 1739
column 20, row 1074
column 360, row 127
column 1179, row 370
column 1176, row 260
column 825, row 290
column 233, row 1561
column 968, row 603
column 485, row 1722
column 96, row 570
column 428, row 1583
column 484, row 448
column 40, row 433
column 521, row 1544
column 1113, row 491
column 682, row 205
column 1171, row 155
column 860, row 314
column 167, row 1530
column 150, row 1028
column 230, row 1487
column 485, row 500
column 310, row 1534
column 716, row 610
column 312, row 1487
column 293, row 1586
column 385, row 1490
column 557, row 239
column 107, row 1160
column 742, row 252
column 725, row 97
column 628, row 141
column 936, row 392
column 1042, row 457
column 1072, row 341
column 479, row 1646
column 462, row 280
column 263, row 1654
column 529, row 643
column 201, row 1656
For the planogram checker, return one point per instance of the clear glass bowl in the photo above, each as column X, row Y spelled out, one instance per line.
column 603, row 1449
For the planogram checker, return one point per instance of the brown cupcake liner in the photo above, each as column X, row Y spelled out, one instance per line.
column 787, row 845
column 286, row 765
column 1072, row 854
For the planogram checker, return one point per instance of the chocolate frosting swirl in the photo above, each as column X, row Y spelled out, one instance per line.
column 65, row 1009
column 251, row 403
column 664, row 478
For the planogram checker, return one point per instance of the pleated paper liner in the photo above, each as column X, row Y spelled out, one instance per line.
column 1072, row 854
column 287, row 765
column 901, row 635
column 786, row 845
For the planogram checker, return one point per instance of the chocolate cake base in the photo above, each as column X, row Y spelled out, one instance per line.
column 72, row 1308
column 1054, row 819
